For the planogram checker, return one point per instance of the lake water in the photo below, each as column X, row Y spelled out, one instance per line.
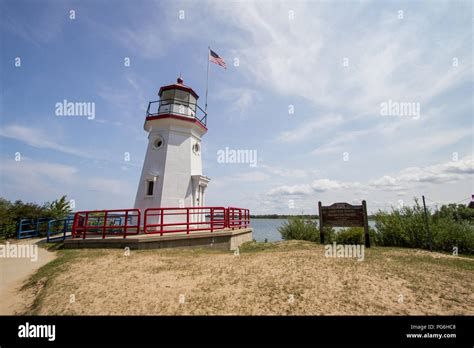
column 268, row 228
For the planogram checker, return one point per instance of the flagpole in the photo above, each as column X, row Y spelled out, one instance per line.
column 207, row 79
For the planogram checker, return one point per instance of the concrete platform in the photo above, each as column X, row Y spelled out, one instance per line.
column 225, row 239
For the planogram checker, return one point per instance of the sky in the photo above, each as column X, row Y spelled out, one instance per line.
column 339, row 100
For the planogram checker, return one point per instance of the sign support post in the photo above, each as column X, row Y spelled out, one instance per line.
column 321, row 229
column 366, row 225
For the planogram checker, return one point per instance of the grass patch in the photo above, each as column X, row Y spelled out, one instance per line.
column 249, row 247
column 42, row 279
column 253, row 246
column 416, row 261
column 52, row 246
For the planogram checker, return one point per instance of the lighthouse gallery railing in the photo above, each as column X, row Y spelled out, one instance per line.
column 188, row 109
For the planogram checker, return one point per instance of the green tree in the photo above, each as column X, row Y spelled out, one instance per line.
column 59, row 208
column 12, row 213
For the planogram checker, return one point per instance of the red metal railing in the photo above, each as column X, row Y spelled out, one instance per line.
column 168, row 220
column 238, row 218
column 106, row 222
column 123, row 222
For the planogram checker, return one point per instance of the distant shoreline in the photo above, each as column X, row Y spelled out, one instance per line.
column 276, row 216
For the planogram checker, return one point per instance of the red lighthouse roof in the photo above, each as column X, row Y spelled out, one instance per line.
column 178, row 85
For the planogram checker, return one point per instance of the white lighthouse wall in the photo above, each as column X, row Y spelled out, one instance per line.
column 152, row 170
column 196, row 161
column 172, row 165
column 177, row 177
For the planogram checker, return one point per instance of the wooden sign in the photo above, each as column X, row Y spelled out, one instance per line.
column 344, row 215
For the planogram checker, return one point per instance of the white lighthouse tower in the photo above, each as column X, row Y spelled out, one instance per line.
column 172, row 170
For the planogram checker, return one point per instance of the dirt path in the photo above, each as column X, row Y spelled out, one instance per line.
column 13, row 272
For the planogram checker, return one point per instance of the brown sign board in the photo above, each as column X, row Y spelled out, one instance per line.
column 344, row 215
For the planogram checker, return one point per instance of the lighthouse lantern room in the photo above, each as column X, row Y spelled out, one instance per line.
column 172, row 170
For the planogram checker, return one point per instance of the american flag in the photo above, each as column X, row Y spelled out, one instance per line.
column 214, row 57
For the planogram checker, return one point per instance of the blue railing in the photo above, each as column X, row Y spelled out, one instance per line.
column 59, row 227
column 30, row 228
column 27, row 228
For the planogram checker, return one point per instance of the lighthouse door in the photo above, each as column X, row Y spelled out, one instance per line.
column 199, row 203
column 200, row 196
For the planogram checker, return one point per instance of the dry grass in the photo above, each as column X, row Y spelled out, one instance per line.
column 263, row 280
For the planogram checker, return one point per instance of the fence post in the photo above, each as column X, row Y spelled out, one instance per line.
column 85, row 226
column 321, row 227
column 65, row 228
column 49, row 228
column 161, row 221
column 75, row 224
column 427, row 224
column 366, row 225
column 187, row 220
column 212, row 219
column 105, row 225
column 73, row 228
column 126, row 223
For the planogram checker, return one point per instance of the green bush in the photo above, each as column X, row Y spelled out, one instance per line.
column 355, row 235
column 351, row 235
column 448, row 233
column 405, row 227
column 457, row 212
column 329, row 234
column 12, row 213
column 304, row 229
column 298, row 228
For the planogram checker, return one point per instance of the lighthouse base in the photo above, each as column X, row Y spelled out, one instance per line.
column 225, row 239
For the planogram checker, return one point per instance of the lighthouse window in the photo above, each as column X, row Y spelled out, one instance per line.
column 167, row 96
column 181, row 96
column 149, row 189
column 196, row 148
column 192, row 102
column 158, row 143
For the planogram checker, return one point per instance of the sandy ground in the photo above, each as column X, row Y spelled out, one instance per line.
column 13, row 272
column 291, row 278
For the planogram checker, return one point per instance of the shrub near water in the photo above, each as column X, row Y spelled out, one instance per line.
column 447, row 234
column 402, row 227
column 450, row 227
column 352, row 235
column 301, row 229
column 298, row 228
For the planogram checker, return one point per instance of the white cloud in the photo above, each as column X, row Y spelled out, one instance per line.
column 28, row 171
column 439, row 173
column 320, row 185
column 253, row 176
column 240, row 99
column 105, row 185
column 304, row 57
column 289, row 172
column 443, row 173
column 29, row 176
column 309, row 129
column 34, row 137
